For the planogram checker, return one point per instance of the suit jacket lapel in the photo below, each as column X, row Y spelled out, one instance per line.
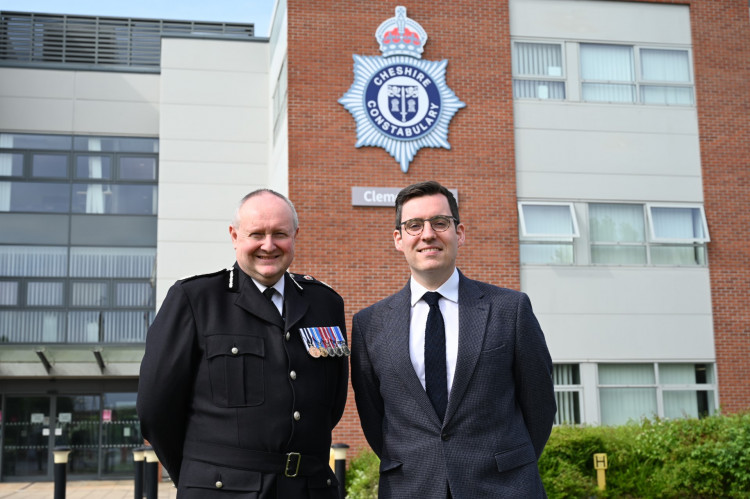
column 397, row 324
column 473, row 313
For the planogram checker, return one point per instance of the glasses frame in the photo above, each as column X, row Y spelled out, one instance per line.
column 431, row 219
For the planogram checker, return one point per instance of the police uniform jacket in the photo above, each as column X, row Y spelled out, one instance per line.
column 229, row 397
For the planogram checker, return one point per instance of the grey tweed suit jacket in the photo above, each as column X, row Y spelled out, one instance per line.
column 501, row 406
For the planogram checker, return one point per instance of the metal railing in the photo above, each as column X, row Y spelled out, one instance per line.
column 39, row 40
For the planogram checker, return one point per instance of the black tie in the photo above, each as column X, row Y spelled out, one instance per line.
column 268, row 293
column 434, row 355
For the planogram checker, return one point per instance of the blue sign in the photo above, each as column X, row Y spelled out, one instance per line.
column 399, row 101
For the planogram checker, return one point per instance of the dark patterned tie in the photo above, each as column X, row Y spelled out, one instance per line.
column 434, row 355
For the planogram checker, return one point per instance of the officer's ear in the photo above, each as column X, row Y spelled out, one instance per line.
column 233, row 233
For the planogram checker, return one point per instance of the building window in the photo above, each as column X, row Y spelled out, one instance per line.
column 538, row 71
column 568, row 389
column 634, row 391
column 676, row 235
column 77, row 258
column 547, row 232
column 627, row 74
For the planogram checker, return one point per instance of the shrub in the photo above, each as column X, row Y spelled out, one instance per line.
column 362, row 476
column 654, row 458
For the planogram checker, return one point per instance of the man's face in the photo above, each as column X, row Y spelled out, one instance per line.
column 264, row 238
column 431, row 255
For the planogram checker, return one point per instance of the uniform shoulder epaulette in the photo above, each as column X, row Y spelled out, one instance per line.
column 210, row 274
column 299, row 279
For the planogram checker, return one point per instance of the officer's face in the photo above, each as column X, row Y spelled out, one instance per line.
column 431, row 255
column 264, row 238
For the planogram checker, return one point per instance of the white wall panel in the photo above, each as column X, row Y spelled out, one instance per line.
column 36, row 114
column 108, row 117
column 214, row 143
column 215, row 55
column 48, row 84
column 596, row 20
column 622, row 313
column 213, row 88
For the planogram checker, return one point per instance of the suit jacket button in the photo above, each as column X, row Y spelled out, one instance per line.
column 297, row 415
column 328, row 482
column 293, row 375
column 287, row 336
column 219, row 484
column 235, row 350
column 444, row 436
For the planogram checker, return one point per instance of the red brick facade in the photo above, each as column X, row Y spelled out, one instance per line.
column 351, row 247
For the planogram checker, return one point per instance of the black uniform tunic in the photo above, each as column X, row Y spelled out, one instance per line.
column 228, row 389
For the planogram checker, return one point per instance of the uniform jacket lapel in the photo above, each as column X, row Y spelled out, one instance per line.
column 251, row 300
column 294, row 303
column 397, row 322
column 473, row 313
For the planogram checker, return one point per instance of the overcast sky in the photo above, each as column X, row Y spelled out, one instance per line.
column 257, row 12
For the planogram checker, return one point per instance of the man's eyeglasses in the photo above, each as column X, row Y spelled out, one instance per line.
column 439, row 223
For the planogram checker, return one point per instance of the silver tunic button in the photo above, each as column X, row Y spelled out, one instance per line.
column 328, row 482
column 287, row 336
column 293, row 375
column 235, row 350
column 219, row 484
column 297, row 415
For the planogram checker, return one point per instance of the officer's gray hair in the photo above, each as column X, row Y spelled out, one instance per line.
column 236, row 219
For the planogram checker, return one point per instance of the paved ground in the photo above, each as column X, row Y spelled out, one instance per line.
column 91, row 489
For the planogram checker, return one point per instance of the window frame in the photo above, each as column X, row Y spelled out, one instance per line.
column 526, row 236
column 639, row 81
column 530, row 77
column 659, row 387
column 683, row 241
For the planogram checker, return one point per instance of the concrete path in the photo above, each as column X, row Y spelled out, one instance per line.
column 89, row 489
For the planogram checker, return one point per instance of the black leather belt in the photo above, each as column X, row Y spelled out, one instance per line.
column 291, row 464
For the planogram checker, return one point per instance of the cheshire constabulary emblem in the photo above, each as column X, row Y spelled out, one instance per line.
column 399, row 101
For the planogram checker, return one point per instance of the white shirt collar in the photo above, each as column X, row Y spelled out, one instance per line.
column 279, row 286
column 448, row 290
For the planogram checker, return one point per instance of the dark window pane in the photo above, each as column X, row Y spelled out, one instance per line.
column 39, row 294
column 11, row 165
column 137, row 168
column 94, row 167
column 134, row 294
column 110, row 144
column 114, row 199
column 46, row 142
column 88, row 294
column 38, row 197
column 8, row 293
column 49, row 165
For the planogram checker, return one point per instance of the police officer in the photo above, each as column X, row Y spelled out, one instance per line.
column 239, row 392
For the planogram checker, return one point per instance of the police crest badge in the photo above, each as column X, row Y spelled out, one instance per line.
column 399, row 101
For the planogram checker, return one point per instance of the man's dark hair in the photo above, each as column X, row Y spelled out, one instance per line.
column 420, row 189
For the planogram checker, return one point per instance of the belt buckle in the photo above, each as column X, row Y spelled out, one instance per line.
column 290, row 460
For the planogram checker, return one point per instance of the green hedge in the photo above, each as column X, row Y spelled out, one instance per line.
column 681, row 458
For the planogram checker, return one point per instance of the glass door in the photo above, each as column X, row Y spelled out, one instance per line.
column 78, row 427
column 26, row 437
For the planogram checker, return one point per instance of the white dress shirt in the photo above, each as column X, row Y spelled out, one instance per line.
column 419, row 309
column 278, row 296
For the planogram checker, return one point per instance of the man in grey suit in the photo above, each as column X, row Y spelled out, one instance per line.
column 456, row 395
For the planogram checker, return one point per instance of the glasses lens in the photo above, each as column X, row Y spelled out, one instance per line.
column 440, row 224
column 414, row 227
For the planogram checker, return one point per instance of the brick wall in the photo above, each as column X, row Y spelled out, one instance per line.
column 351, row 247
column 721, row 51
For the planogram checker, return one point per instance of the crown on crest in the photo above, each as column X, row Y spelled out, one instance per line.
column 401, row 36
